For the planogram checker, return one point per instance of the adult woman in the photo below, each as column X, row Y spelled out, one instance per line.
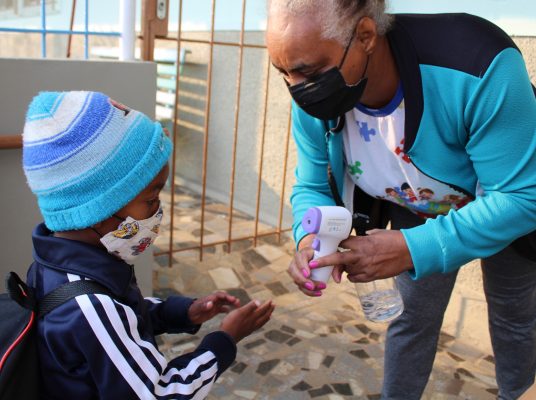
column 434, row 115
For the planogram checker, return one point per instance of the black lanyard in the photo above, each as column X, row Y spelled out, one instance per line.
column 360, row 221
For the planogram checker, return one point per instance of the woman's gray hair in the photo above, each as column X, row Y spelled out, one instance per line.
column 337, row 17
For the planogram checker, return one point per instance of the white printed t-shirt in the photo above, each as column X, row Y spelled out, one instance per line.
column 373, row 147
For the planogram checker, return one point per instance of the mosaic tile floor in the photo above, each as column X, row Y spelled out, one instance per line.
column 319, row 348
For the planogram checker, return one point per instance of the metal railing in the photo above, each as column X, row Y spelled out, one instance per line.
column 241, row 45
column 276, row 229
column 10, row 142
column 44, row 31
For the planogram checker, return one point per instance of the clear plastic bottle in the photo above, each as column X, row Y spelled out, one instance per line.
column 380, row 300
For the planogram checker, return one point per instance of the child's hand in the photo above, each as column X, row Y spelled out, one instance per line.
column 207, row 307
column 247, row 319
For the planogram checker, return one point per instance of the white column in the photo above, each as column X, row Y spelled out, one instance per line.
column 127, row 21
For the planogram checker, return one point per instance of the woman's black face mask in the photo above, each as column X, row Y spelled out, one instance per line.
column 326, row 95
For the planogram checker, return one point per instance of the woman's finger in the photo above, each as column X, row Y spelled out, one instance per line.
column 300, row 272
column 302, row 263
column 352, row 243
column 307, row 292
column 337, row 273
column 339, row 258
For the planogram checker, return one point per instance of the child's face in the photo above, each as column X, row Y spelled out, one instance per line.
column 146, row 203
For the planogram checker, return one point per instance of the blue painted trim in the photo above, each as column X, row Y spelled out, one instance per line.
column 388, row 109
column 59, row 32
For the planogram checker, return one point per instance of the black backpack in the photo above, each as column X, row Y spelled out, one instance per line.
column 19, row 312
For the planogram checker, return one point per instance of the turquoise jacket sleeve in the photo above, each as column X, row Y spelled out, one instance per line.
column 311, row 188
column 500, row 117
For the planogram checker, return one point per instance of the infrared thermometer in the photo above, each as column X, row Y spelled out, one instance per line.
column 331, row 225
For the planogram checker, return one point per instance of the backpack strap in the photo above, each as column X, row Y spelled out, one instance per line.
column 20, row 292
column 67, row 292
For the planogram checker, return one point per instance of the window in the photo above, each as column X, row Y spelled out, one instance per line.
column 7, row 5
column 13, row 9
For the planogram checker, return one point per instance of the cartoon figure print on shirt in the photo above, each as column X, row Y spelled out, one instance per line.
column 425, row 205
column 376, row 162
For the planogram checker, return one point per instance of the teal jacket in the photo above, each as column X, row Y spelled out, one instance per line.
column 470, row 118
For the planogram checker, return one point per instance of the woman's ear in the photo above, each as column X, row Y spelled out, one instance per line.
column 367, row 35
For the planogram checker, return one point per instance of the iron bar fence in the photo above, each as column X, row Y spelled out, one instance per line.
column 229, row 236
column 212, row 43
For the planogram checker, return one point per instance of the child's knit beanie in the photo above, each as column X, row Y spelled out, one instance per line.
column 86, row 156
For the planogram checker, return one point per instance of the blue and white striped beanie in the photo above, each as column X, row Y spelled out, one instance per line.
column 86, row 156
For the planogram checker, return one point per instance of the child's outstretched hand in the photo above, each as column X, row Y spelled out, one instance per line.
column 207, row 307
column 245, row 320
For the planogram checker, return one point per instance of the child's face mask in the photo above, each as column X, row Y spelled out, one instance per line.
column 131, row 238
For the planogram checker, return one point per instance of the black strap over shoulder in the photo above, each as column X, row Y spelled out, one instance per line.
column 24, row 295
column 331, row 179
column 67, row 292
column 334, row 188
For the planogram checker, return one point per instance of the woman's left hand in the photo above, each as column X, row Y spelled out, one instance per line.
column 381, row 254
column 209, row 306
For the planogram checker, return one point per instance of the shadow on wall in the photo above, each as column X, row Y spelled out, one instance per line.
column 191, row 122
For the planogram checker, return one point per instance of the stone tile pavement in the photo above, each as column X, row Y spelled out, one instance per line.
column 313, row 348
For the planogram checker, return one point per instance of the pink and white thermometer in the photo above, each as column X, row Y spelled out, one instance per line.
column 331, row 225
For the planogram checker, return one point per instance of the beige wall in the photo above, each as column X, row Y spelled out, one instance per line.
column 527, row 45
column 250, row 127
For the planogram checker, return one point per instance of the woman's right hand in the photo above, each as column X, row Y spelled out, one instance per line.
column 243, row 321
column 299, row 269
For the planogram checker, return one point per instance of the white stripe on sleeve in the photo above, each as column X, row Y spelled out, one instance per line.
column 154, row 300
column 185, row 372
column 146, row 365
column 203, row 392
column 133, row 347
column 111, row 349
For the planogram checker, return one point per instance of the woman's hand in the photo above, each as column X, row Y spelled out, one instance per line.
column 381, row 254
column 209, row 306
column 299, row 269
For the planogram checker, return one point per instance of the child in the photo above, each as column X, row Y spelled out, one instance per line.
column 97, row 169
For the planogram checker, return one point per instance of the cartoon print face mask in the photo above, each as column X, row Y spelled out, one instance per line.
column 132, row 237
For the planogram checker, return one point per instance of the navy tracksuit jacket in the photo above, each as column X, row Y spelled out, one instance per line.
column 95, row 346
